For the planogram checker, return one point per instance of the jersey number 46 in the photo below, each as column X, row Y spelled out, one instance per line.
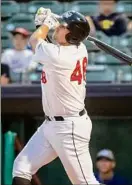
column 79, row 72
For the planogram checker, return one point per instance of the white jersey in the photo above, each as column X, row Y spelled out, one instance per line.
column 63, row 77
column 18, row 61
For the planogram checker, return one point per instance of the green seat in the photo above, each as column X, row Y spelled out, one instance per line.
column 124, row 7
column 53, row 5
column 90, row 46
column 67, row 6
column 103, row 58
column 9, row 8
column 35, row 77
column 85, row 7
column 121, row 42
column 91, row 56
column 95, row 68
column 127, row 78
column 100, row 75
column 21, row 20
column 6, row 43
column 123, row 73
column 23, row 8
column 125, row 68
column 101, row 36
column 130, row 42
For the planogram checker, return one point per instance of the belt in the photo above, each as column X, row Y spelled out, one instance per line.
column 60, row 118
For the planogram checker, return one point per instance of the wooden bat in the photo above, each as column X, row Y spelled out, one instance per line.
column 111, row 50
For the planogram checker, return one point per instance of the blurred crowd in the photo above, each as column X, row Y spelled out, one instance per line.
column 18, row 60
column 108, row 21
column 105, row 165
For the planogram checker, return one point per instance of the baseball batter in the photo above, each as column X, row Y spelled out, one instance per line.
column 66, row 131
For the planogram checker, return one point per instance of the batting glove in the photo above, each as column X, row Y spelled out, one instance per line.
column 40, row 16
column 51, row 22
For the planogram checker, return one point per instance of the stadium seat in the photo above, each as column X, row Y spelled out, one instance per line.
column 21, row 20
column 94, row 68
column 35, row 77
column 23, row 8
column 103, row 58
column 122, row 42
column 91, row 56
column 101, row 36
column 127, row 78
column 90, row 46
column 9, row 8
column 85, row 7
column 100, row 74
column 53, row 5
column 67, row 6
column 6, row 43
column 123, row 73
column 124, row 7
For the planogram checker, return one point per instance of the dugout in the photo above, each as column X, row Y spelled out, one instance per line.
column 109, row 106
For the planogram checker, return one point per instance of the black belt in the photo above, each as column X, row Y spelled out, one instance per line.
column 60, row 118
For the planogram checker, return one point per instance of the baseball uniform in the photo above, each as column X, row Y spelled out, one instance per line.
column 67, row 129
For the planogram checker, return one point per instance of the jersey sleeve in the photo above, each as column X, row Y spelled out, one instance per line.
column 46, row 52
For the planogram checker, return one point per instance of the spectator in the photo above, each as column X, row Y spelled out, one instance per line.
column 108, row 21
column 129, row 27
column 5, row 74
column 106, row 164
column 18, row 58
column 92, row 26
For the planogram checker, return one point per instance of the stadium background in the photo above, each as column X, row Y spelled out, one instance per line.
column 108, row 101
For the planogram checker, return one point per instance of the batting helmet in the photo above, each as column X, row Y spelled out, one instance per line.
column 78, row 26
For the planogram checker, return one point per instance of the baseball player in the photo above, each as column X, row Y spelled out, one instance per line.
column 66, row 131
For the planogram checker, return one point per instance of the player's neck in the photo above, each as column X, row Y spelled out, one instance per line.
column 107, row 13
column 65, row 44
column 106, row 176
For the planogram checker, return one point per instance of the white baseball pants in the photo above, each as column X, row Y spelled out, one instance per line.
column 68, row 140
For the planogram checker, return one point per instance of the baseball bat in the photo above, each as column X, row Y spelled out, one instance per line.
column 111, row 50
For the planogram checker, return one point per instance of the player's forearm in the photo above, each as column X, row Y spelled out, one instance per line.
column 40, row 33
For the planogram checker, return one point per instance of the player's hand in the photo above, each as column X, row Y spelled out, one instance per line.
column 40, row 16
column 51, row 22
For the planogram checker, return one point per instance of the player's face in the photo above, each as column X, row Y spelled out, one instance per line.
column 60, row 34
column 19, row 41
column 105, row 165
column 107, row 7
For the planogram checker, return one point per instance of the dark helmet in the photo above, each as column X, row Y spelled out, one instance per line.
column 78, row 26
